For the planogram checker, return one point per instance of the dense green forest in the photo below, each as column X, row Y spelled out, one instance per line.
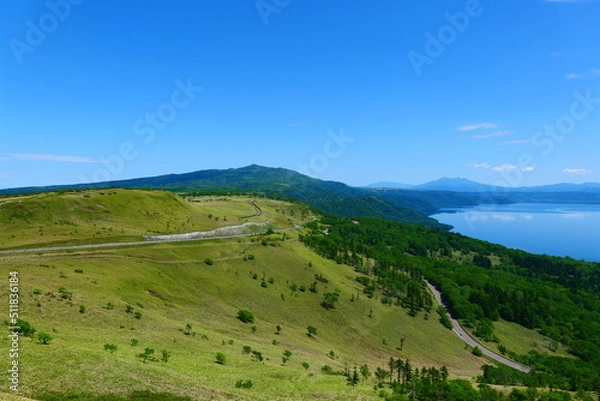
column 481, row 283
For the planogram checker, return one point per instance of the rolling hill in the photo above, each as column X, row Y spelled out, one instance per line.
column 104, row 307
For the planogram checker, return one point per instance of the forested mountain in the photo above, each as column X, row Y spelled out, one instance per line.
column 329, row 196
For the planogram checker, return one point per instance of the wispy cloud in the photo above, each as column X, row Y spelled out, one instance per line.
column 472, row 127
column 479, row 165
column 577, row 171
column 46, row 158
column 490, row 135
column 516, row 142
column 594, row 72
column 504, row 167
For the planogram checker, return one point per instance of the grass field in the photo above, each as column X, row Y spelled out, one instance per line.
column 201, row 284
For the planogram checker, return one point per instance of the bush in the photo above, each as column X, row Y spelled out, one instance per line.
column 137, row 315
column 110, row 347
column 44, row 338
column 220, row 358
column 244, row 384
column 477, row 351
column 209, row 261
column 25, row 328
column 245, row 316
column 81, row 308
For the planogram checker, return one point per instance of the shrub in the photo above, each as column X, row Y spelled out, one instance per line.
column 209, row 261
column 244, row 384
column 220, row 358
column 81, row 308
column 245, row 316
column 44, row 338
column 477, row 351
column 134, row 342
column 305, row 365
column 25, row 328
column 137, row 315
column 311, row 331
column 110, row 347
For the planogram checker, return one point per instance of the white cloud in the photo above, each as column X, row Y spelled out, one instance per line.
column 479, row 165
column 578, row 171
column 516, row 142
column 46, row 158
column 490, row 135
column 504, row 167
column 594, row 72
column 472, row 127
column 526, row 169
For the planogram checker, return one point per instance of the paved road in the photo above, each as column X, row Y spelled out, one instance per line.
column 460, row 332
column 134, row 243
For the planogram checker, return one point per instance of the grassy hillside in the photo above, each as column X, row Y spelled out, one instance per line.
column 201, row 284
column 329, row 196
column 98, row 216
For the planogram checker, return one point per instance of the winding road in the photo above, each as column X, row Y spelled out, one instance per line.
column 463, row 335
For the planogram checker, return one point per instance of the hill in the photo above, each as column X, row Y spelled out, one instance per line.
column 105, row 307
column 328, row 196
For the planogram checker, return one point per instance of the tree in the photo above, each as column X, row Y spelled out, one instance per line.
column 220, row 358
column 165, row 355
column 81, row 308
column 353, row 378
column 477, row 351
column 245, row 316
column 305, row 365
column 311, row 331
column 365, row 372
column 44, row 338
column 330, row 299
column 287, row 354
column 146, row 355
column 278, row 329
column 188, row 329
column 25, row 328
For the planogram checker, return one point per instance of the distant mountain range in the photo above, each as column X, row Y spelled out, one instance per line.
column 465, row 185
column 409, row 204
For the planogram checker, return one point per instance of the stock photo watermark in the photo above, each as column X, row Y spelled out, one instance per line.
column 436, row 43
column 546, row 139
column 39, row 29
column 333, row 148
column 13, row 329
column 267, row 8
column 146, row 129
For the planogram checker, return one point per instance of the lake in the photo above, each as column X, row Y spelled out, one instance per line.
column 553, row 229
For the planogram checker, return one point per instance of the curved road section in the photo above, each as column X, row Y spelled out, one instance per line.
column 463, row 335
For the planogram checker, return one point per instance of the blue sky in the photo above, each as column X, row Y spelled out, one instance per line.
column 501, row 92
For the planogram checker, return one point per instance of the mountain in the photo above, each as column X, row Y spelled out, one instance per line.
column 329, row 196
column 455, row 185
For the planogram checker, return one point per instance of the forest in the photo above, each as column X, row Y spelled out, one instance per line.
column 481, row 283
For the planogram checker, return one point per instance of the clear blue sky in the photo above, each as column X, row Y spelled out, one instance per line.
column 410, row 91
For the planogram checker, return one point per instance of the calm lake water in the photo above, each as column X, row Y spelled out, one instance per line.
column 553, row 229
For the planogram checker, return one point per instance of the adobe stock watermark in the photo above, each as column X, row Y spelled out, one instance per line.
column 38, row 31
column 146, row 129
column 436, row 44
column 333, row 148
column 266, row 8
column 546, row 139
column 14, row 330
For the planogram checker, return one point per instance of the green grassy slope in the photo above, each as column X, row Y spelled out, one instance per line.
column 171, row 285
column 118, row 215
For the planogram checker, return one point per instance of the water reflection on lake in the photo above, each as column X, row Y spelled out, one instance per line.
column 554, row 229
